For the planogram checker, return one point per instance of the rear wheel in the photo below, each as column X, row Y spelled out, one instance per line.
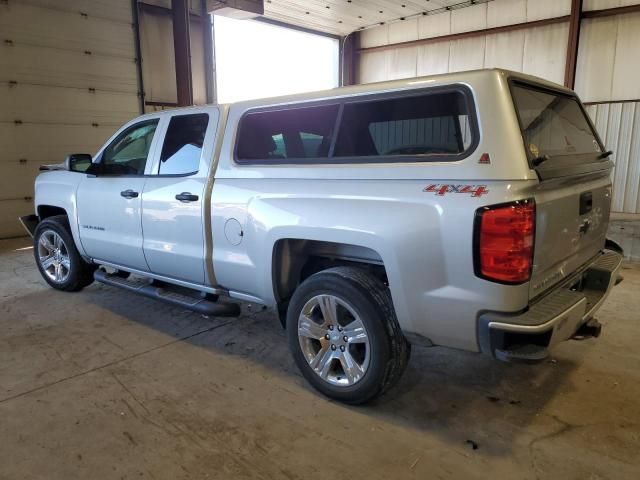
column 57, row 258
column 344, row 335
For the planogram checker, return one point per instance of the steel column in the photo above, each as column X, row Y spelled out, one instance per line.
column 572, row 44
column 181, row 39
column 348, row 56
column 209, row 54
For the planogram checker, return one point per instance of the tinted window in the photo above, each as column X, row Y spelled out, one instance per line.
column 432, row 124
column 127, row 154
column 183, row 144
column 553, row 124
column 281, row 134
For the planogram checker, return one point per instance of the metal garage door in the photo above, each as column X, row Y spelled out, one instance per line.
column 68, row 79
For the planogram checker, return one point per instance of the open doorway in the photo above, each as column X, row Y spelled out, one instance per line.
column 255, row 59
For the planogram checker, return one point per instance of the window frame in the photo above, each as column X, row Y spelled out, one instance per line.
column 161, row 141
column 462, row 89
column 280, row 108
column 514, row 82
column 98, row 162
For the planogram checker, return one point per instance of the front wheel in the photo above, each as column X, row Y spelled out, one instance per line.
column 57, row 258
column 344, row 335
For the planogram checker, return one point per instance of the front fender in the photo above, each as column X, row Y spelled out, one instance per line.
column 58, row 189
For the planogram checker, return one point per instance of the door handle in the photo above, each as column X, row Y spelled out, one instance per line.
column 129, row 194
column 187, row 197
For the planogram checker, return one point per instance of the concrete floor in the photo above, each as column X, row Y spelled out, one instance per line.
column 103, row 384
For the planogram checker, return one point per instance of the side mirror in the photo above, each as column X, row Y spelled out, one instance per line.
column 78, row 162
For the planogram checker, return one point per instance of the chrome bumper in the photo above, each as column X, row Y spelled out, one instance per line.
column 558, row 315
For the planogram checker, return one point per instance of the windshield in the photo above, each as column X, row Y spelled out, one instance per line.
column 553, row 124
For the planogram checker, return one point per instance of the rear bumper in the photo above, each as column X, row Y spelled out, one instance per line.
column 555, row 317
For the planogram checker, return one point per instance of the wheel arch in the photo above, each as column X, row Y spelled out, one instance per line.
column 46, row 211
column 295, row 259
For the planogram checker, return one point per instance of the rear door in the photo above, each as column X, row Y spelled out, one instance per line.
column 173, row 200
column 573, row 199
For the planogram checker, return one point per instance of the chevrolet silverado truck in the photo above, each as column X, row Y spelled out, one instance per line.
column 465, row 210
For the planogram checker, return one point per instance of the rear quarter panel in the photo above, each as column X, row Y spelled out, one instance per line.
column 425, row 240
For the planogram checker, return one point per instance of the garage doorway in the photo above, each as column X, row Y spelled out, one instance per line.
column 255, row 59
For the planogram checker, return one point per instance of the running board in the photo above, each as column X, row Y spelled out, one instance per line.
column 142, row 287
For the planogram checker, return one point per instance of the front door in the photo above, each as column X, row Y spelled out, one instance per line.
column 173, row 198
column 110, row 198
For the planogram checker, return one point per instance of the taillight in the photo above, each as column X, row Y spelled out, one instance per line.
column 503, row 242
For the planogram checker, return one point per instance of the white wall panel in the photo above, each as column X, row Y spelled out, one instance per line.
column 632, row 188
column 10, row 210
column 402, row 63
column 26, row 24
column 612, row 138
column 505, row 50
column 38, row 65
column 469, row 18
column 433, row 58
column 467, row 54
column 49, row 143
column 403, row 31
column 35, row 103
column 626, row 69
column 434, row 25
column 19, row 179
column 506, row 12
column 115, row 10
column 596, row 54
column 374, row 37
column 545, row 51
column 608, row 58
column 540, row 9
column 374, row 67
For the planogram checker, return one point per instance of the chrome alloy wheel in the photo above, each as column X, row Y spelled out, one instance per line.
column 54, row 256
column 334, row 340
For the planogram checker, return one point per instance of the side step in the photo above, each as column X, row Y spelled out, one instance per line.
column 142, row 287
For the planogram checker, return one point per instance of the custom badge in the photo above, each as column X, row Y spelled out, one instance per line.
column 442, row 189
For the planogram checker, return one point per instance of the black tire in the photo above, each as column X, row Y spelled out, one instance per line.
column 371, row 300
column 80, row 272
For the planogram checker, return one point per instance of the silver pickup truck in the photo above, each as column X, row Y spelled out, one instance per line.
column 467, row 210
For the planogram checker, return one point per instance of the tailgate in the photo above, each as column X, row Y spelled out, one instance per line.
column 573, row 199
column 571, row 227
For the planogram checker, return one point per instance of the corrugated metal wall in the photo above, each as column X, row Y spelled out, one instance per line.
column 67, row 80
column 619, row 128
column 606, row 70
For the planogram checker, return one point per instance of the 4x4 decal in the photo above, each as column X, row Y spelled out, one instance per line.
column 442, row 189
